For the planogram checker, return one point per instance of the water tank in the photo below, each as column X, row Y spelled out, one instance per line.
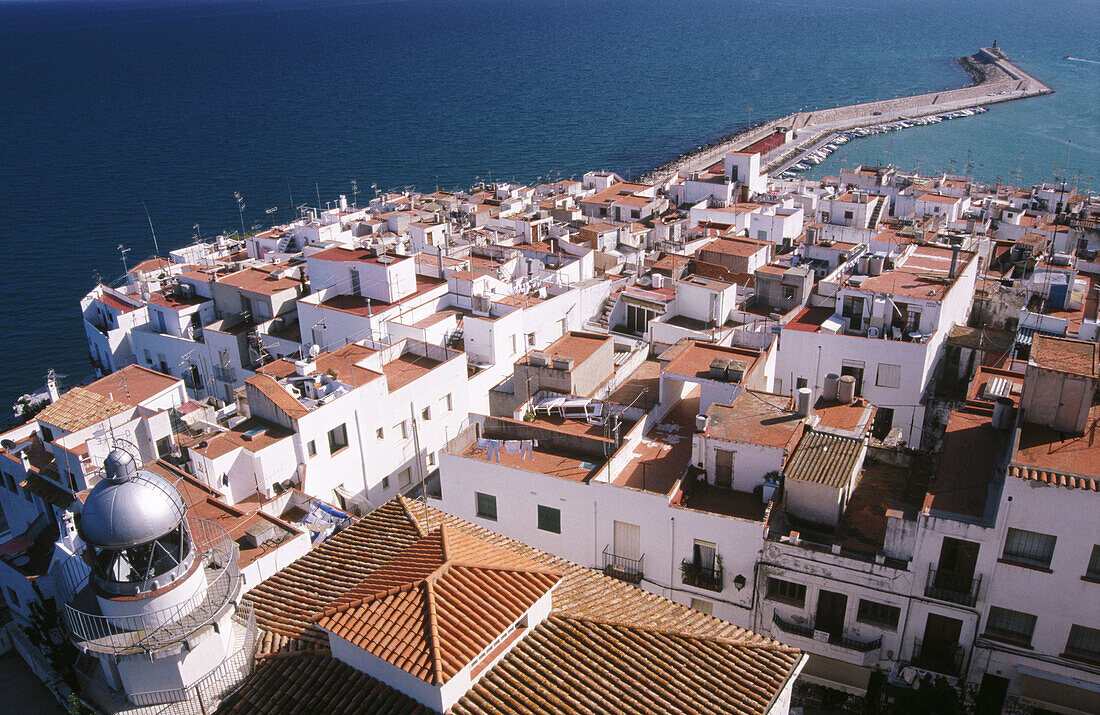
column 1003, row 413
column 805, row 399
column 831, row 387
column 875, row 264
column 846, row 389
column 700, row 423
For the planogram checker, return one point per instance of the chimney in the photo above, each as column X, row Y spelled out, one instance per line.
column 51, row 386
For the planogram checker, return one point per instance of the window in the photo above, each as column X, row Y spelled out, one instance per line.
column 852, row 309
column 1028, row 548
column 380, row 433
column 702, row 606
column 337, row 439
column 549, row 519
column 385, row 482
column 486, row 505
column 164, row 446
column 787, row 592
column 404, row 477
column 512, row 343
column 761, row 235
column 1083, row 644
column 530, row 340
column 1093, row 570
column 402, row 429
column 426, row 414
column 878, row 614
column 704, row 554
column 800, row 382
column 431, row 459
column 311, row 448
column 448, row 403
column 849, row 215
column 855, row 369
column 1005, row 624
column 888, row 375
column 47, row 433
column 788, row 292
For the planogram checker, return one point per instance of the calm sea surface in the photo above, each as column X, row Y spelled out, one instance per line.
column 182, row 102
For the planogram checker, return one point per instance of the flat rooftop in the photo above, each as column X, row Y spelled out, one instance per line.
column 576, row 345
column 924, row 273
column 407, row 368
column 544, row 459
column 694, row 358
column 133, row 384
column 366, row 307
column 664, row 453
column 881, row 487
column 701, row 496
column 1046, row 449
column 966, row 463
column 760, row 418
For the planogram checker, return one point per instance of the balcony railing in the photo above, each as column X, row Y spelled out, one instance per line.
column 622, row 567
column 224, row 374
column 694, row 574
column 939, row 659
column 952, row 587
column 808, row 631
column 92, row 630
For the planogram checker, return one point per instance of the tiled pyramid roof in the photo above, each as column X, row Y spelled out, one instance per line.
column 438, row 604
column 607, row 646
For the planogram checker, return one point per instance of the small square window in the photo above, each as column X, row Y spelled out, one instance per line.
column 448, row 403
column 385, row 482
column 787, row 592
column 402, row 429
column 431, row 459
column 337, row 439
column 426, row 414
column 1083, row 644
column 549, row 519
column 404, row 477
column 530, row 340
column 380, row 433
column 1093, row 570
column 486, row 506
column 311, row 448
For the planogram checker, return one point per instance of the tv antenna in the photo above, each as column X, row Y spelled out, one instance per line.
column 240, row 207
column 123, row 251
column 156, row 246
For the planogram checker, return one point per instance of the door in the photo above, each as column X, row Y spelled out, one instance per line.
column 958, row 559
column 857, row 373
column 628, row 540
column 991, row 695
column 831, row 608
column 723, row 468
column 941, row 641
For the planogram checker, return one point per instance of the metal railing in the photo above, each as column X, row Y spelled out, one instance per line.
column 952, row 587
column 699, row 576
column 840, row 641
column 90, row 629
column 622, row 567
column 224, row 374
column 940, row 659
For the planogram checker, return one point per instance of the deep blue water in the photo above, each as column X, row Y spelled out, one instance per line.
column 181, row 103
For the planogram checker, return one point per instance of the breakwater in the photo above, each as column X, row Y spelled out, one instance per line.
column 996, row 79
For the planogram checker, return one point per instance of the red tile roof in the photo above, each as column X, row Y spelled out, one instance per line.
column 606, row 645
column 282, row 399
column 133, row 384
column 1076, row 357
column 439, row 604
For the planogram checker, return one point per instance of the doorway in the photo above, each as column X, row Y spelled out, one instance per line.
column 831, row 608
column 723, row 468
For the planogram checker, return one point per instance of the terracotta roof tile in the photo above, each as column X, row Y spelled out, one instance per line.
column 824, row 458
column 607, row 646
column 1076, row 357
column 282, row 399
column 79, row 408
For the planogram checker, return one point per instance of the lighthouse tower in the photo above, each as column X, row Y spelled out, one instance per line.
column 152, row 594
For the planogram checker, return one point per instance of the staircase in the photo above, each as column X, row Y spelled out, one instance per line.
column 603, row 318
column 284, row 243
column 454, row 339
column 877, row 213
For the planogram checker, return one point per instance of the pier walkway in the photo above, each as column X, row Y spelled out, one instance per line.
column 1000, row 81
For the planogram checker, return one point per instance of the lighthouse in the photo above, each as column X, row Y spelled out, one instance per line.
column 152, row 593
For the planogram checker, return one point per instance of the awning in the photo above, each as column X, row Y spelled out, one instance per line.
column 836, row 674
column 1059, row 693
column 1024, row 336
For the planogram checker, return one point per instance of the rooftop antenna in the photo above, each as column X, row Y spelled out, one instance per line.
column 240, row 208
column 124, row 251
column 354, row 193
column 291, row 194
column 156, row 246
column 318, row 188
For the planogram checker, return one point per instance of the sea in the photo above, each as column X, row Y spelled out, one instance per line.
column 118, row 114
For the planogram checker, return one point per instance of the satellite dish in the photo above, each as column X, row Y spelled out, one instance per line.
column 314, row 350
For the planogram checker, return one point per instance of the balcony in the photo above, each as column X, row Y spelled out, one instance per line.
column 946, row 660
column 952, row 587
column 622, row 567
column 224, row 374
column 842, row 642
column 699, row 576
